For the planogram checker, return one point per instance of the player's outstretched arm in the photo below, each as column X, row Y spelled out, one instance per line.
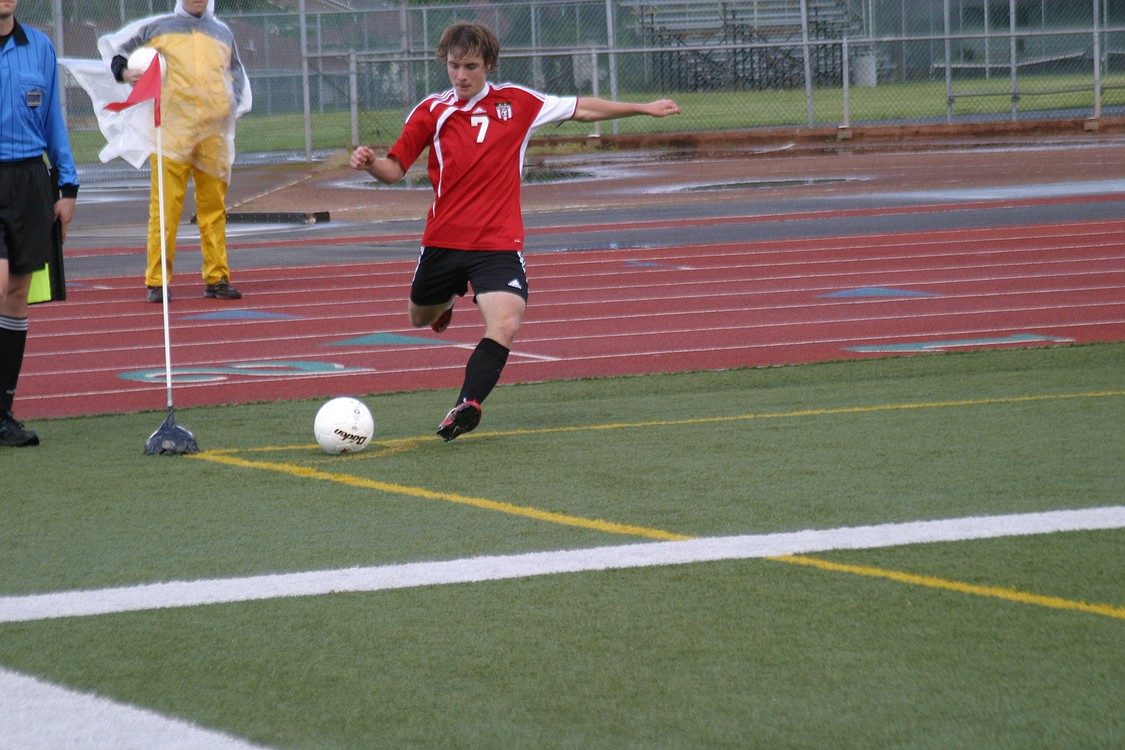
column 384, row 169
column 592, row 109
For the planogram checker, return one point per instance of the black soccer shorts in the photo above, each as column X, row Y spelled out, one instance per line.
column 442, row 273
column 27, row 215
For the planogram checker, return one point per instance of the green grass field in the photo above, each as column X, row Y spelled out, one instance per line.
column 1013, row 642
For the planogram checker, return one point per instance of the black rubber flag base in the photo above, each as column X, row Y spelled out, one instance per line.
column 171, row 439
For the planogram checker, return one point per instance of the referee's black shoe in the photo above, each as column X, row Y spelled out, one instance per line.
column 461, row 419
column 13, row 434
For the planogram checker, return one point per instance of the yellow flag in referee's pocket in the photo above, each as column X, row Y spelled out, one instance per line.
column 48, row 284
column 40, row 290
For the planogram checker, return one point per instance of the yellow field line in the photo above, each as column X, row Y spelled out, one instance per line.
column 402, row 489
column 995, row 592
column 785, row 415
column 392, row 446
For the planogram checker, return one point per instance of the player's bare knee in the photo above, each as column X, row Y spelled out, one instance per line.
column 504, row 335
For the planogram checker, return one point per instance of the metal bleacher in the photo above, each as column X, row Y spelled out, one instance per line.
column 749, row 44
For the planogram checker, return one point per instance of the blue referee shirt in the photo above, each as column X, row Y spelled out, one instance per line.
column 31, row 118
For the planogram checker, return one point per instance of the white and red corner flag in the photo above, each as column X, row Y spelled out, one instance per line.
column 148, row 87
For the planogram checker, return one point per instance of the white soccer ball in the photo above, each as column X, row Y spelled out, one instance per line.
column 343, row 425
column 141, row 58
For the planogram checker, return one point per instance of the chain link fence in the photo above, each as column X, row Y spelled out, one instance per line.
column 328, row 74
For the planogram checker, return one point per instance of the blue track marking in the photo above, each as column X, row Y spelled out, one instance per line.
column 878, row 291
column 385, row 339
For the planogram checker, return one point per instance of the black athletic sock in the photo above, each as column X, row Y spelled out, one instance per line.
column 13, row 340
column 483, row 371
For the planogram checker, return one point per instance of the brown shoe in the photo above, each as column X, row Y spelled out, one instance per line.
column 221, row 290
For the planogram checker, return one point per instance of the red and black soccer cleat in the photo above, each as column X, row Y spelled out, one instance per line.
column 461, row 419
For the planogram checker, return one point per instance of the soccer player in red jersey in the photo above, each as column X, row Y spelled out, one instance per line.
column 477, row 133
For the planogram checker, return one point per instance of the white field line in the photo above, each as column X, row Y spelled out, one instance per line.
column 36, row 715
column 83, row 603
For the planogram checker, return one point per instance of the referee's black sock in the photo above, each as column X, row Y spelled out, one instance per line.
column 483, row 371
column 13, row 340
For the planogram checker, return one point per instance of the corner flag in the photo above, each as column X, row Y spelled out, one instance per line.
column 148, row 87
column 170, row 439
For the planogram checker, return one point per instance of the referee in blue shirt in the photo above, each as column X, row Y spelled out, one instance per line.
column 31, row 124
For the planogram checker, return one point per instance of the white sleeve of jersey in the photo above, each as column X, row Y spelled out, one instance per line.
column 555, row 109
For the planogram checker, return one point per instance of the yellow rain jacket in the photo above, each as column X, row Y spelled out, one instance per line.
column 204, row 91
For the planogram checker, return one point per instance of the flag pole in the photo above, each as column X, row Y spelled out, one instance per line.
column 163, row 266
column 169, row 439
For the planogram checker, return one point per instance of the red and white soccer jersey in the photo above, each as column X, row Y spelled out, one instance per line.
column 476, row 159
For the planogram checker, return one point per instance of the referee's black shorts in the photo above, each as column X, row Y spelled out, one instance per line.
column 27, row 215
column 442, row 273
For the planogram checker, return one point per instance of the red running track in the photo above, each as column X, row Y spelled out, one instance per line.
column 592, row 313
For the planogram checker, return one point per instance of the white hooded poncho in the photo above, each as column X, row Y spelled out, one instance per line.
column 206, row 89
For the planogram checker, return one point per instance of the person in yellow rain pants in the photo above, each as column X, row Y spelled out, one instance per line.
column 204, row 90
